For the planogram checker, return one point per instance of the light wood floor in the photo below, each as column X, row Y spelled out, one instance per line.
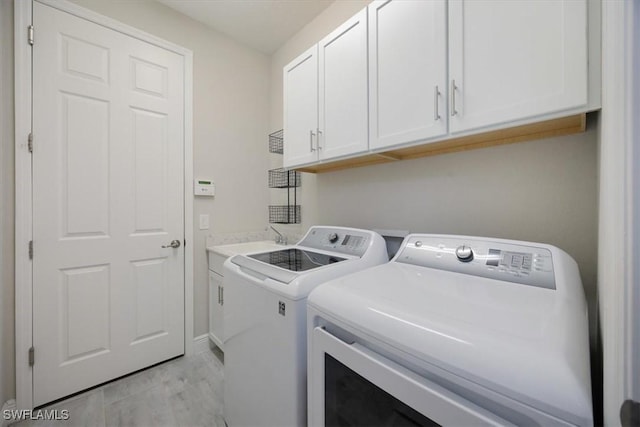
column 182, row 392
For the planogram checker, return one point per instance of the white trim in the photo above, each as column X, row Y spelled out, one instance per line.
column 105, row 21
column 632, row 294
column 188, row 203
column 618, row 210
column 9, row 405
column 201, row 343
column 23, row 209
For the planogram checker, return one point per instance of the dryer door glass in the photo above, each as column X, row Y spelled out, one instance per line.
column 351, row 400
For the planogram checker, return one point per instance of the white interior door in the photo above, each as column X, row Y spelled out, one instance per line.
column 108, row 122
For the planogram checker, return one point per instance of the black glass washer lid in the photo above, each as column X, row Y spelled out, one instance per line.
column 296, row 259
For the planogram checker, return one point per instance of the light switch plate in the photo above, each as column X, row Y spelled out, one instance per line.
column 204, row 221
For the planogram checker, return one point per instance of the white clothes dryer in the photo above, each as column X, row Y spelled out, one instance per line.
column 453, row 331
column 265, row 321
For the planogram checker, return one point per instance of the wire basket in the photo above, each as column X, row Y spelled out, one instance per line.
column 283, row 214
column 276, row 142
column 280, row 178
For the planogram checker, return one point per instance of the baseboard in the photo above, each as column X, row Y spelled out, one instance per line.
column 201, row 343
column 9, row 405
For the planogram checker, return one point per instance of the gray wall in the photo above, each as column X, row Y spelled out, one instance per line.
column 541, row 191
column 7, row 365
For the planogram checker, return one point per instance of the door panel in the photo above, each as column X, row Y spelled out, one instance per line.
column 150, row 292
column 506, row 68
column 343, row 114
column 85, row 153
column 84, row 312
column 107, row 194
column 301, row 109
column 216, row 309
column 407, row 71
column 150, row 171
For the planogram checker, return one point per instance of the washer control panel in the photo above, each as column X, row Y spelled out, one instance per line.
column 500, row 260
column 346, row 241
column 464, row 253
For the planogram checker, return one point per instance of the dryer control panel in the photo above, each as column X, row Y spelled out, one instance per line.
column 499, row 260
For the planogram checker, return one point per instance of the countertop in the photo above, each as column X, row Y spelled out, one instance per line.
column 244, row 248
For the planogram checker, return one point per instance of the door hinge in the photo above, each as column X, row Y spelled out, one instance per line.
column 30, row 34
column 32, row 356
column 30, row 249
column 30, row 143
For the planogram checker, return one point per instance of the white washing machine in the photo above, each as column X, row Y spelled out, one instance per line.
column 265, row 321
column 454, row 331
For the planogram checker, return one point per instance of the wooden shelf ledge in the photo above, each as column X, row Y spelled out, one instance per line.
column 546, row 129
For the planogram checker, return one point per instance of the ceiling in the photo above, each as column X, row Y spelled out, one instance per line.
column 264, row 25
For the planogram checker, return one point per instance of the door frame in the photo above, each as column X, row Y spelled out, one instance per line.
column 619, row 208
column 23, row 18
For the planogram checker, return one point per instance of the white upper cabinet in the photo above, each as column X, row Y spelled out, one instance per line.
column 343, row 124
column 301, row 109
column 325, row 97
column 402, row 74
column 407, row 71
column 511, row 60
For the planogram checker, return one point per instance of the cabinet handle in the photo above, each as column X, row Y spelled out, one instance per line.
column 219, row 296
column 453, row 98
column 436, row 95
column 318, row 144
column 311, row 135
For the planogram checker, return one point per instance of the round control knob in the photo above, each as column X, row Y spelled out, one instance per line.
column 333, row 237
column 464, row 253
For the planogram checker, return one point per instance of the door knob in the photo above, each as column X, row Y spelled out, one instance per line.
column 174, row 244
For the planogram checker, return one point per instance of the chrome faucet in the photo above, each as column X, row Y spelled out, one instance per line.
column 280, row 238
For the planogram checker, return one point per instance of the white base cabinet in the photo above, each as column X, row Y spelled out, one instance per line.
column 216, row 257
column 216, row 298
column 216, row 309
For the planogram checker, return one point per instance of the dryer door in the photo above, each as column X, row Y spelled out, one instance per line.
column 351, row 385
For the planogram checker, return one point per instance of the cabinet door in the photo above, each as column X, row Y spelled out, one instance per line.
column 216, row 313
column 407, row 71
column 300, row 101
column 513, row 60
column 343, row 89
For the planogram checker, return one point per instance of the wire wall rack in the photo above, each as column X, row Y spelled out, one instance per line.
column 288, row 180
column 281, row 178
column 284, row 214
column 276, row 142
